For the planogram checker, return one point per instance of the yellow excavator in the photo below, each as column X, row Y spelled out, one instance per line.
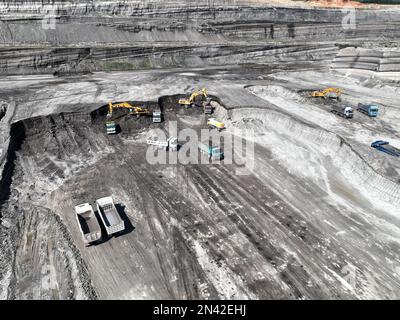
column 132, row 109
column 332, row 93
column 194, row 95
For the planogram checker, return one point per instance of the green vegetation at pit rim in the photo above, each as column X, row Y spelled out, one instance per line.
column 118, row 65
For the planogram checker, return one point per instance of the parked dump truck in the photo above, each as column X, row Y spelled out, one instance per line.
column 88, row 224
column 369, row 109
column 170, row 144
column 111, row 127
column 385, row 147
column 208, row 108
column 109, row 215
column 212, row 152
column 213, row 123
column 157, row 116
column 343, row 111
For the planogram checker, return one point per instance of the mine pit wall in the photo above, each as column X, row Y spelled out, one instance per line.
column 69, row 268
column 70, row 32
column 6, row 146
column 137, row 35
column 31, row 61
column 188, row 10
column 17, row 136
column 347, row 161
column 367, row 59
column 11, row 141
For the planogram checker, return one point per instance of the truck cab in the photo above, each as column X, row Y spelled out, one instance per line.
column 216, row 153
column 348, row 112
column 373, row 110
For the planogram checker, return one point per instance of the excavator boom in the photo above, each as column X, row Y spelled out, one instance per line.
column 328, row 93
column 133, row 109
column 191, row 100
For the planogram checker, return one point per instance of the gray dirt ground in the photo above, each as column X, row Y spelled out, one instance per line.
column 200, row 231
column 317, row 215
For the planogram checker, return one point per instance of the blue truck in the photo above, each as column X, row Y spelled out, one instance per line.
column 385, row 147
column 212, row 152
column 369, row 109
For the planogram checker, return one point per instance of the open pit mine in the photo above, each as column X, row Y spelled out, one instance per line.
column 109, row 191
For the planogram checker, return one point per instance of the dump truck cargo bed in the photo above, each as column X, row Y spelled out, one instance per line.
column 88, row 223
column 109, row 215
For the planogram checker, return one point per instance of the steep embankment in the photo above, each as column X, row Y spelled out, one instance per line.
column 367, row 59
column 347, row 160
column 115, row 35
column 8, row 110
column 33, row 237
column 96, row 59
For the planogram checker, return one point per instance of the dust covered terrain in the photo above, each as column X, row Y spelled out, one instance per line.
column 314, row 216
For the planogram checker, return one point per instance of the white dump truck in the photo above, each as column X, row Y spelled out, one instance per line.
column 88, row 224
column 170, row 144
column 109, row 215
column 342, row 111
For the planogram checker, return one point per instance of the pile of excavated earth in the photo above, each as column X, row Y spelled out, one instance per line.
column 309, row 212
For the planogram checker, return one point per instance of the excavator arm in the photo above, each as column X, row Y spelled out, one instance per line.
column 190, row 101
column 328, row 92
column 127, row 105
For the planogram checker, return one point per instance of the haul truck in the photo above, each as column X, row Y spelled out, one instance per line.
column 385, row 147
column 343, row 111
column 109, row 215
column 212, row 152
column 208, row 108
column 369, row 109
column 111, row 127
column 88, row 224
column 157, row 116
column 170, row 144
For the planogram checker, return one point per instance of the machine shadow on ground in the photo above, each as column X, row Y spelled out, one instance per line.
column 128, row 224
